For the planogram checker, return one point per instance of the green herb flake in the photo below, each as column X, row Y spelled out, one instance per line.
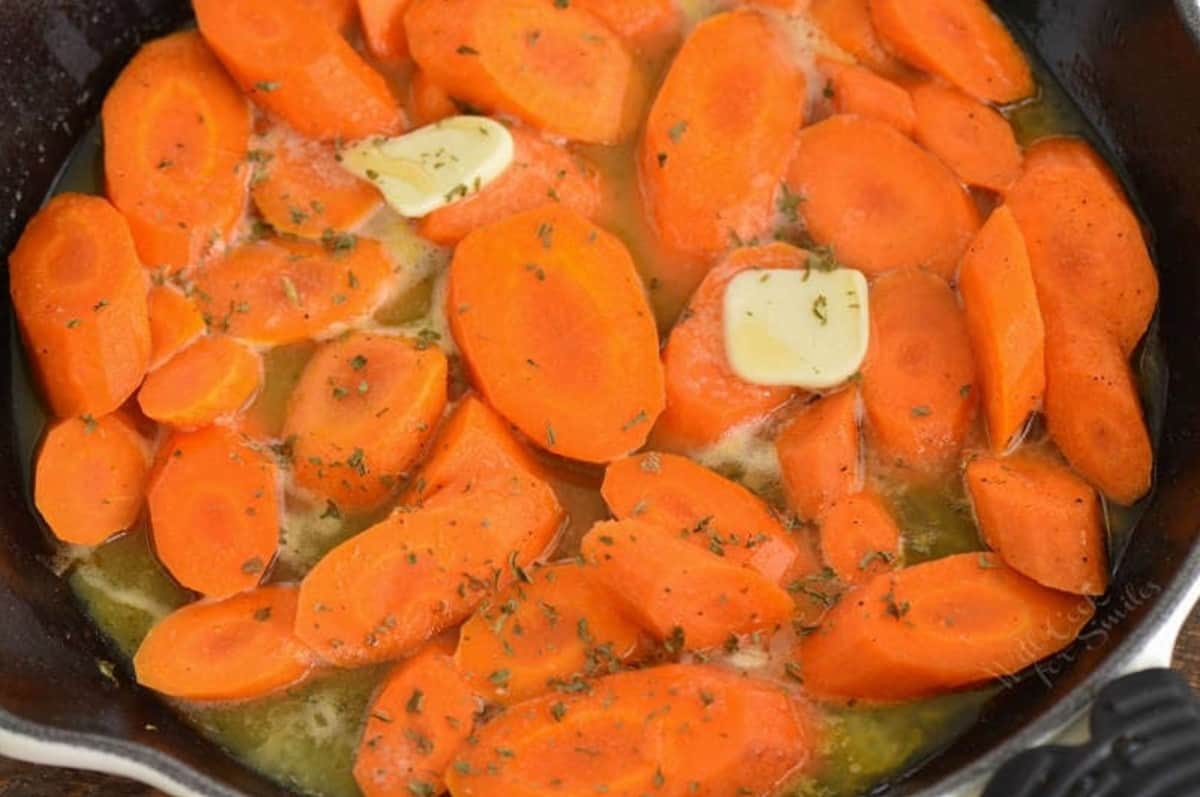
column 820, row 309
column 558, row 710
column 331, row 510
column 466, row 50
column 267, row 86
column 677, row 130
column 921, row 411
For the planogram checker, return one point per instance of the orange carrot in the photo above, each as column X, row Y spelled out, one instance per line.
column 880, row 201
column 848, row 24
column 176, row 130
column 306, row 74
column 701, row 596
column 90, row 478
column 214, row 511
column 937, row 626
column 645, row 24
column 819, row 454
column 428, row 103
column 720, row 135
column 239, row 648
column 529, row 58
column 541, row 172
column 1044, row 521
column 175, row 322
column 213, row 378
column 961, row 41
column 858, row 90
column 383, row 28
column 919, row 378
column 859, row 538
column 362, row 411
column 337, row 14
column 281, row 291
column 552, row 318
column 80, row 297
column 1004, row 325
column 973, row 140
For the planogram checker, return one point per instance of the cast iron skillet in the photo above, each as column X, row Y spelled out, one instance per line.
column 1132, row 67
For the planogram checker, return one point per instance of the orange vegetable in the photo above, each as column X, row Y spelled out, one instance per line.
column 213, row 378
column 239, row 648
column 819, row 454
column 859, row 538
column 937, row 626
column 383, row 28
column 338, row 14
column 880, row 201
column 1005, row 326
column 552, row 318
column 858, row 90
column 176, row 130
column 643, row 23
column 848, row 24
column 720, row 135
column 80, row 297
column 90, row 478
column 306, row 74
column 214, row 511
column 175, row 322
column 1044, row 521
column 360, row 415
column 429, row 103
column 971, row 138
column 529, row 58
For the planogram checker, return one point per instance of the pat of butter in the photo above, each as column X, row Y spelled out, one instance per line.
column 435, row 165
column 800, row 327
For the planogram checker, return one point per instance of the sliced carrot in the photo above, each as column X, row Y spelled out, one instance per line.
column 422, row 715
column 848, row 24
column 880, row 201
column 973, row 140
column 859, row 538
column 1005, row 326
column 552, row 318
column 306, row 74
column 214, row 511
column 176, row 131
column 819, row 454
column 1085, row 243
column 80, row 297
column 674, row 731
column 705, row 398
column 530, row 58
column 541, row 172
column 552, row 628
column 239, row 648
column 175, row 322
column 1044, row 521
column 961, row 41
column 281, row 291
column 645, row 24
column 428, row 103
column 708, row 510
column 937, row 626
column 338, row 14
column 720, row 134
column 90, row 479
column 858, row 90
column 919, row 378
column 383, row 28
column 700, row 595
column 360, row 415
column 213, row 378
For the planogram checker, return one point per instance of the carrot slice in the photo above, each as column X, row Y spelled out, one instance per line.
column 860, row 91
column 90, row 479
column 305, row 74
column 1085, row 244
column 700, row 595
column 848, row 24
column 1043, row 520
column 176, row 131
column 429, row 103
column 645, row 24
column 541, row 172
column 214, row 511
column 673, row 731
column 961, row 41
column 213, row 378
column 280, row 291
column 880, row 201
column 175, row 322
column 360, row 415
column 1005, row 326
column 423, row 714
column 973, row 140
column 937, row 626
column 239, row 648
column 919, row 378
column 337, row 14
column 529, row 58
column 80, row 297
column 819, row 454
column 383, row 28
column 859, row 538
column 554, row 627
column 705, row 398
column 552, row 318
column 720, row 134
column 708, row 510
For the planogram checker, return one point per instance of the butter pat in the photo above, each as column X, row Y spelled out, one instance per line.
column 800, row 327
column 433, row 166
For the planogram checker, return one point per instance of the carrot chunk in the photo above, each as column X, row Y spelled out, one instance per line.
column 858, row 90
column 383, row 28
column 645, row 24
column 552, row 318
column 175, row 322
column 973, row 139
column 819, row 454
column 239, row 648
column 337, row 14
column 859, row 538
column 937, row 626
column 428, row 103
column 848, row 24
column 720, row 135
column 213, row 378
column 214, row 511
column 80, row 298
column 176, row 131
